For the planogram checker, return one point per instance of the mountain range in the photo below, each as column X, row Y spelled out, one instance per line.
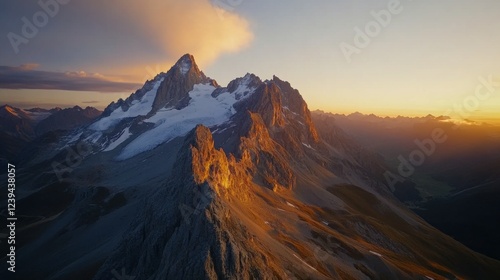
column 18, row 127
column 187, row 179
column 456, row 188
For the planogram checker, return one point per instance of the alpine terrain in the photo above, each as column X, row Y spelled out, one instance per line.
column 187, row 179
column 19, row 128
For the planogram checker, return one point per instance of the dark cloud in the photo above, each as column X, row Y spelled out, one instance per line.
column 24, row 77
column 91, row 102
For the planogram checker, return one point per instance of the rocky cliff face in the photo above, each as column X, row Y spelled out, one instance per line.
column 270, row 161
column 178, row 81
column 218, row 246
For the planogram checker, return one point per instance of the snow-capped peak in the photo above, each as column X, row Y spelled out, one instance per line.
column 169, row 123
column 185, row 63
column 140, row 107
column 169, row 106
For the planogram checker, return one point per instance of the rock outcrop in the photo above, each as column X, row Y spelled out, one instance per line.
column 178, row 82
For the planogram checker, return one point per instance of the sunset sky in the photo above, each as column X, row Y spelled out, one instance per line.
column 429, row 58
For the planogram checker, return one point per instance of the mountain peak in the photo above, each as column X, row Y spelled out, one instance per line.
column 174, row 89
column 9, row 109
column 187, row 63
column 12, row 112
column 187, row 57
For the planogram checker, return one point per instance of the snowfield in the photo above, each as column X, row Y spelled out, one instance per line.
column 170, row 123
column 123, row 137
column 138, row 108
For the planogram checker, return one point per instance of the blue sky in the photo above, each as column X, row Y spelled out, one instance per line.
column 427, row 59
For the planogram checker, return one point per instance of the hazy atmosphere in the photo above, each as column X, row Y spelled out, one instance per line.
column 384, row 57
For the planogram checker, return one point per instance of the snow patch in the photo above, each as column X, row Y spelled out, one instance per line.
column 243, row 90
column 291, row 205
column 308, row 146
column 93, row 138
column 38, row 116
column 171, row 123
column 325, row 222
column 123, row 137
column 375, row 253
column 288, row 109
column 75, row 137
column 308, row 265
column 138, row 108
column 185, row 66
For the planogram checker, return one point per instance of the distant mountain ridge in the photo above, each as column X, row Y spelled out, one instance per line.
column 456, row 188
column 67, row 119
column 21, row 126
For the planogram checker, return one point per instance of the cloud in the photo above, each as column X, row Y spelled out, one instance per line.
column 199, row 28
column 126, row 41
column 24, row 77
column 80, row 74
column 126, row 38
column 29, row 66
column 177, row 27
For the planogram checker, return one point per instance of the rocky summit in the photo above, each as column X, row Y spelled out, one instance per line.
column 187, row 179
